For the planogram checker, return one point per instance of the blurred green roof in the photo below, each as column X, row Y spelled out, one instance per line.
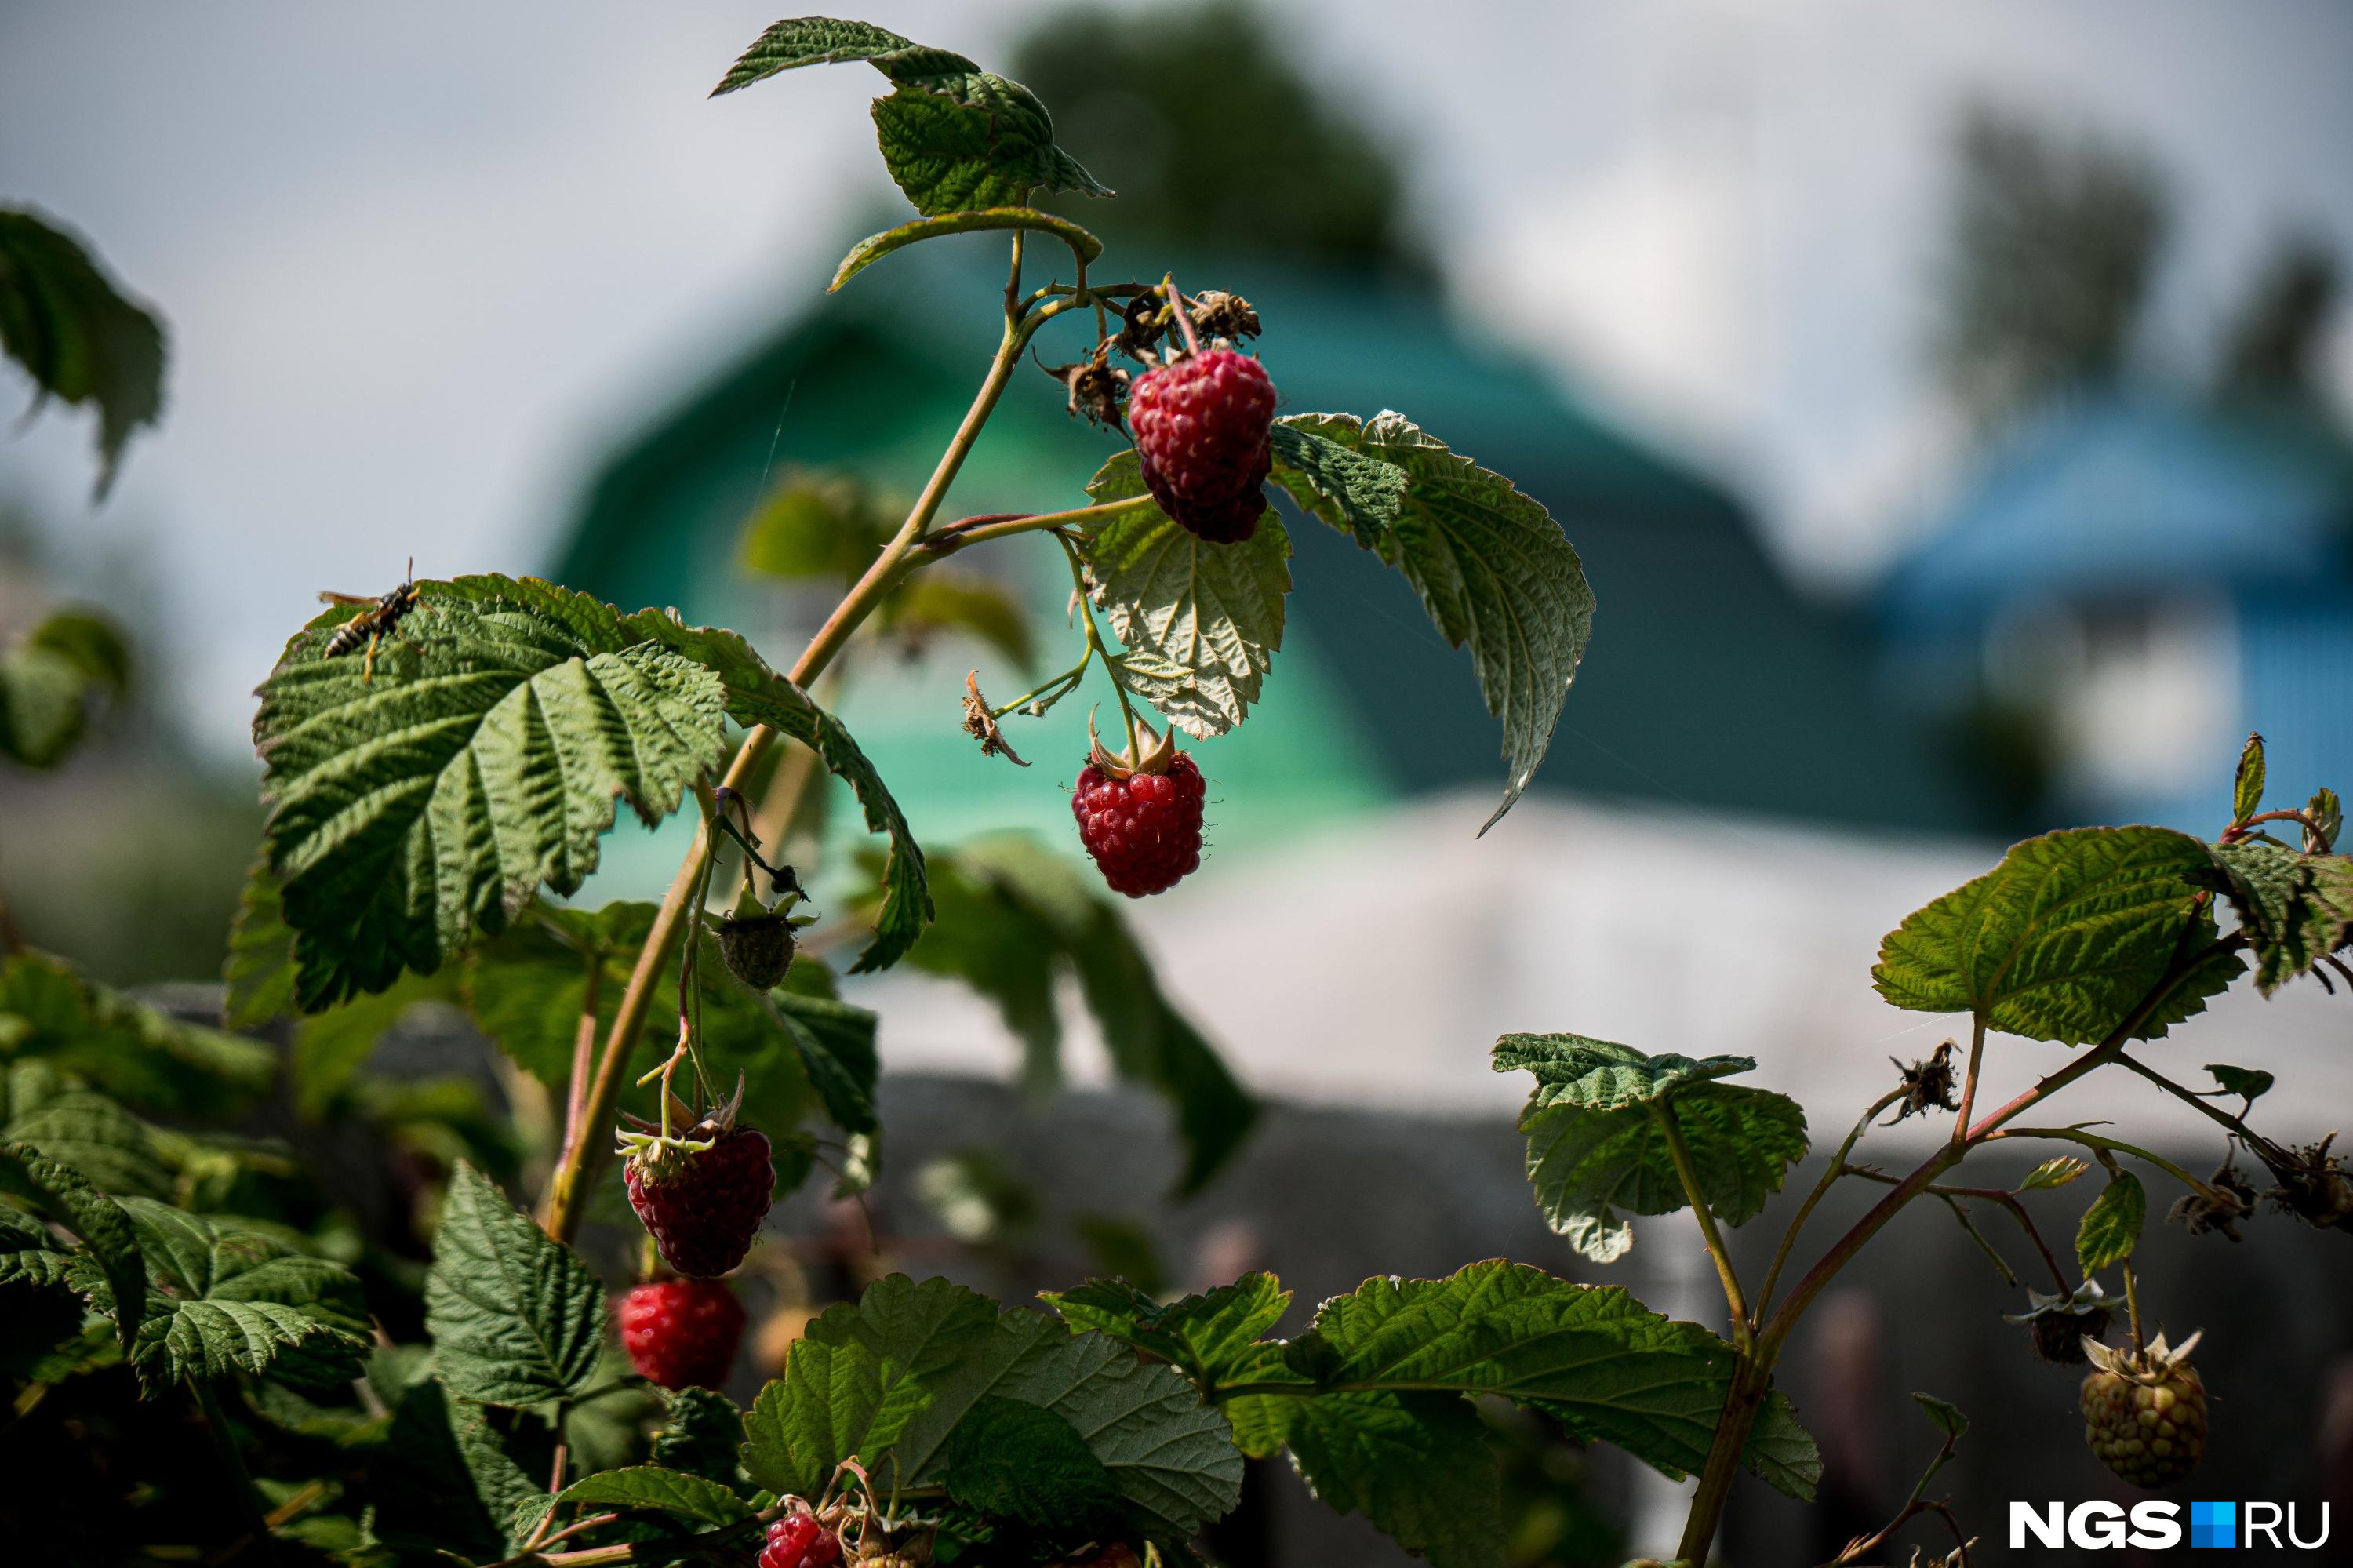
column 1709, row 682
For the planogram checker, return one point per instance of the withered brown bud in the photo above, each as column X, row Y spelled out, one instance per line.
column 980, row 723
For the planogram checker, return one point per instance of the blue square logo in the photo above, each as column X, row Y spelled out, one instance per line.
column 2213, row 1524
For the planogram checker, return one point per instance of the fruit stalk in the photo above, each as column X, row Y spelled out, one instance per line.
column 576, row 1173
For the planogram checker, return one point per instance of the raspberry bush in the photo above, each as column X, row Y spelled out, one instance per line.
column 432, row 804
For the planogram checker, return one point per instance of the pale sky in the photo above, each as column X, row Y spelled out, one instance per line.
column 421, row 267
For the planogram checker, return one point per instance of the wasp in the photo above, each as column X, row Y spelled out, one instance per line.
column 373, row 624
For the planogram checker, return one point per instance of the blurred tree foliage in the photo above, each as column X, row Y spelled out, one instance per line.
column 1212, row 134
column 2050, row 251
column 2274, row 343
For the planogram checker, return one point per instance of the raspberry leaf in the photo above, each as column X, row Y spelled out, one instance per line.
column 1211, row 1337
column 1084, row 246
column 1354, row 491
column 2247, row 785
column 92, row 1135
column 1201, row 622
column 799, row 41
column 1024, row 1462
column 2247, row 1083
column 1492, row 568
column 954, row 137
column 110, row 1272
column 76, row 334
column 138, row 1054
column 1170, row 1456
column 516, row 1317
column 2296, row 908
column 702, row 1436
column 1598, row 1136
column 651, row 1488
column 1417, row 1466
column 2112, row 1226
column 230, row 1299
column 1017, row 915
column 416, row 809
column 857, row 1376
column 2064, row 937
column 755, row 694
column 410, row 810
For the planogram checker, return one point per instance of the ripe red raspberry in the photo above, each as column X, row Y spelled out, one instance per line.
column 1201, row 437
column 703, row 1207
column 799, row 1541
column 1141, row 823
column 681, row 1332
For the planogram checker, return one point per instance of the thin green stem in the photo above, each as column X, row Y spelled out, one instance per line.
column 1670, row 1129
column 2132, row 1306
column 1095, row 646
column 2192, row 1097
column 1970, row 1084
column 2100, row 1141
column 1837, row 1168
column 947, row 541
column 569, row 1187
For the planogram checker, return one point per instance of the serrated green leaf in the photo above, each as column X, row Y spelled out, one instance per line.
column 257, row 976
column 799, row 41
column 2248, row 1083
column 1084, row 247
column 652, row 1488
column 1169, row 1454
column 1417, row 1466
column 1492, row 569
column 1357, row 493
column 756, row 694
column 2064, row 939
column 702, row 1436
column 1600, row 1074
column 2296, row 908
column 1949, row 1418
column 91, row 1134
column 1211, row 1337
column 138, row 1054
column 526, row 988
column 962, row 140
column 230, row 1300
column 410, row 810
column 2053, row 1173
column 836, row 1041
column 437, row 1491
column 857, row 1376
column 116, row 1282
column 2247, row 785
column 2111, row 1226
column 1600, row 1362
column 1014, row 915
column 1023, row 1463
column 1201, row 622
column 510, row 1498
column 1597, row 1139
column 76, row 334
column 515, row 1316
